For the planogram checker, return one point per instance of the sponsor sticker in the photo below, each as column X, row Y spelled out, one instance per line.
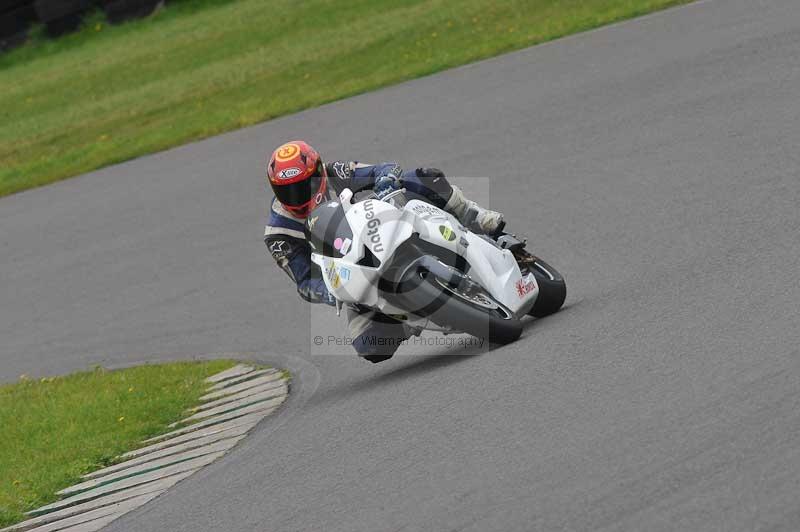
column 447, row 233
column 373, row 227
column 311, row 221
column 424, row 210
column 339, row 169
column 289, row 173
column 342, row 245
column 277, row 246
column 330, row 273
column 337, row 275
column 525, row 285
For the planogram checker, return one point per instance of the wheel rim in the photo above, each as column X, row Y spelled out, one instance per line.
column 475, row 294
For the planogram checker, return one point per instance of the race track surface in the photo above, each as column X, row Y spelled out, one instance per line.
column 656, row 163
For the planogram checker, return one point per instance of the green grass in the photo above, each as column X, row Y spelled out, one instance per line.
column 198, row 68
column 56, row 429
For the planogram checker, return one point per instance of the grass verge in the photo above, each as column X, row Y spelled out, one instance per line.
column 56, row 429
column 195, row 69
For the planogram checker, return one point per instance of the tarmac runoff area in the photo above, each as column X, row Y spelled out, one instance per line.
column 237, row 399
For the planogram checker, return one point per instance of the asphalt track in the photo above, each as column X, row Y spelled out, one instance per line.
column 654, row 162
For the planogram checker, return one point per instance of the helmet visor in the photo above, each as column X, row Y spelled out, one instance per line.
column 300, row 192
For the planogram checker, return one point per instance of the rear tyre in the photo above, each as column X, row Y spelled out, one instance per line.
column 552, row 289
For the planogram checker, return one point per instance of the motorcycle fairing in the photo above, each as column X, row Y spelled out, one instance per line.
column 378, row 228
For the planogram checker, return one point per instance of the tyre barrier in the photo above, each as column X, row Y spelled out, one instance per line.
column 16, row 18
column 63, row 16
column 121, row 10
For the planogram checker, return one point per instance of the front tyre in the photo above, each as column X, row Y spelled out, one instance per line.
column 466, row 307
column 552, row 289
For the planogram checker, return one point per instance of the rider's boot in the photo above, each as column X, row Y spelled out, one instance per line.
column 473, row 215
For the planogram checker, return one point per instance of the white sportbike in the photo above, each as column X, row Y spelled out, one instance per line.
column 419, row 265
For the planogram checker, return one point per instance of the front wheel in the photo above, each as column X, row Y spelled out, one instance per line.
column 552, row 288
column 465, row 306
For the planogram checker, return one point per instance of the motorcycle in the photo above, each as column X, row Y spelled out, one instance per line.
column 419, row 265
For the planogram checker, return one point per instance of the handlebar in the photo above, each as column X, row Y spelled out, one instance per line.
column 385, row 185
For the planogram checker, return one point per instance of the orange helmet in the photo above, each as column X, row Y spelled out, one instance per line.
column 297, row 176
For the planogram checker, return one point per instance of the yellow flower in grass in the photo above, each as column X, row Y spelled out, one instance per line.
column 121, row 419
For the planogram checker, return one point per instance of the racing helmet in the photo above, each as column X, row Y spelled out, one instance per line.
column 297, row 176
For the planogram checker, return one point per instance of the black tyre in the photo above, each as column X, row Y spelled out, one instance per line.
column 466, row 307
column 552, row 289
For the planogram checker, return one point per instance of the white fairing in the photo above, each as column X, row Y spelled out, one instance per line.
column 382, row 227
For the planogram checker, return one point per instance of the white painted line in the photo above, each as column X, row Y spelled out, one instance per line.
column 246, row 385
column 243, row 378
column 189, row 465
column 117, row 509
column 153, row 487
column 278, row 395
column 241, row 395
column 182, row 436
column 236, row 371
column 155, row 465
column 168, row 451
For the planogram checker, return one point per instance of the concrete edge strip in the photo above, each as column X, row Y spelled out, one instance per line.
column 117, row 508
column 248, row 420
column 153, row 487
column 201, row 425
column 183, row 467
column 246, row 385
column 154, row 465
column 245, row 408
column 236, row 405
column 111, row 492
column 170, row 450
column 240, row 395
column 243, row 378
column 236, row 371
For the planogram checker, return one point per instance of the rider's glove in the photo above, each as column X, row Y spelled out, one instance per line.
column 329, row 299
column 325, row 296
column 385, row 184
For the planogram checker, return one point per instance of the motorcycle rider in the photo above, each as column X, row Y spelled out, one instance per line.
column 301, row 181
